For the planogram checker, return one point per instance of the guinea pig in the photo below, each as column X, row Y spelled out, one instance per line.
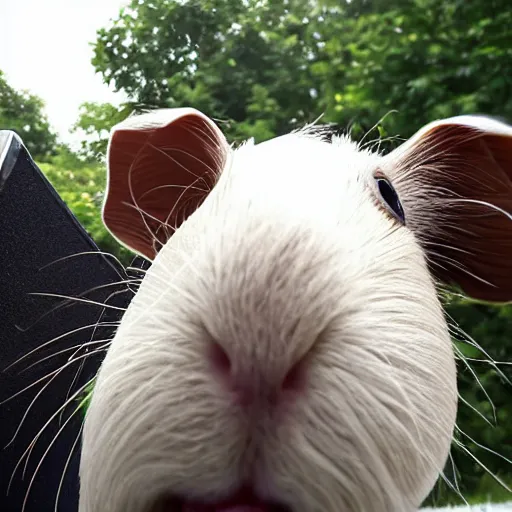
column 287, row 350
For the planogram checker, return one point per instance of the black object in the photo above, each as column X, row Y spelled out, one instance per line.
column 44, row 249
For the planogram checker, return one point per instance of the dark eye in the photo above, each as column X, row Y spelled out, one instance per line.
column 390, row 197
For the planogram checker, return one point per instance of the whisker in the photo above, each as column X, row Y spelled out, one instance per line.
column 454, row 471
column 67, row 401
column 377, row 124
column 52, row 376
column 171, row 186
column 57, row 338
column 458, row 266
column 480, row 385
column 132, row 194
column 505, row 363
column 47, row 376
column 136, row 269
column 215, row 149
column 178, row 150
column 38, row 435
column 457, row 491
column 43, row 457
column 86, row 253
column 24, row 417
column 66, row 466
column 380, row 140
column 63, row 351
column 482, row 465
column 77, row 299
column 81, row 365
column 502, row 457
column 470, row 341
column 69, row 302
column 177, row 203
column 474, row 409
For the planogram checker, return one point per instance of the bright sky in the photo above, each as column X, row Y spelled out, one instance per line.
column 44, row 47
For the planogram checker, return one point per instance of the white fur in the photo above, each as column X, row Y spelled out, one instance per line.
column 290, row 256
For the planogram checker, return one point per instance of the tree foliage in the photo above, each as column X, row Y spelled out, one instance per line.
column 94, row 124
column 23, row 113
column 264, row 67
column 424, row 58
column 245, row 62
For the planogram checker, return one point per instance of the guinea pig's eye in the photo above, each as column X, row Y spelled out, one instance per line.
column 390, row 197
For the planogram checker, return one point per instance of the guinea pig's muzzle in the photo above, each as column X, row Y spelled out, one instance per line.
column 242, row 501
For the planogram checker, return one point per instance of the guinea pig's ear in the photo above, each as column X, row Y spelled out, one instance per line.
column 454, row 178
column 160, row 167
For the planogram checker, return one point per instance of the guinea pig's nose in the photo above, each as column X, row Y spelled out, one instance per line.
column 252, row 383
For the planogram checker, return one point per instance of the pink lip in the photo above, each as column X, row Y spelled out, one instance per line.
column 242, row 501
column 234, row 508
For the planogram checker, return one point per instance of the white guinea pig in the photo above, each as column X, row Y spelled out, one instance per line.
column 287, row 349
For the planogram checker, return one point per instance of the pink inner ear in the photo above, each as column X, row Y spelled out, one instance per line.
column 157, row 178
column 455, row 182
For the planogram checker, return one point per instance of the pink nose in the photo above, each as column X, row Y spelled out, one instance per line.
column 252, row 385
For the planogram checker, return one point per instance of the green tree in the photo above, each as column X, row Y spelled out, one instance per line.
column 23, row 113
column 265, row 66
column 94, row 123
column 245, row 62
column 424, row 58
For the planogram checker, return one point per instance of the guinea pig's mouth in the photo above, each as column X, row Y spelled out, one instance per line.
column 243, row 501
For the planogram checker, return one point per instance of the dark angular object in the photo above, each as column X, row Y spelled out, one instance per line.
column 44, row 250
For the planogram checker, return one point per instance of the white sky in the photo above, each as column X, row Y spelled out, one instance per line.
column 44, row 47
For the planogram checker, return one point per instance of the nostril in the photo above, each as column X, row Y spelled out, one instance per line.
column 255, row 382
column 294, row 379
column 220, row 359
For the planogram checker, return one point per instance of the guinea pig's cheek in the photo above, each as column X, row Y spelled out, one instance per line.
column 157, row 421
column 357, row 437
column 313, row 459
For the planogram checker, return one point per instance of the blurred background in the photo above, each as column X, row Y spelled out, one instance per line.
column 71, row 69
